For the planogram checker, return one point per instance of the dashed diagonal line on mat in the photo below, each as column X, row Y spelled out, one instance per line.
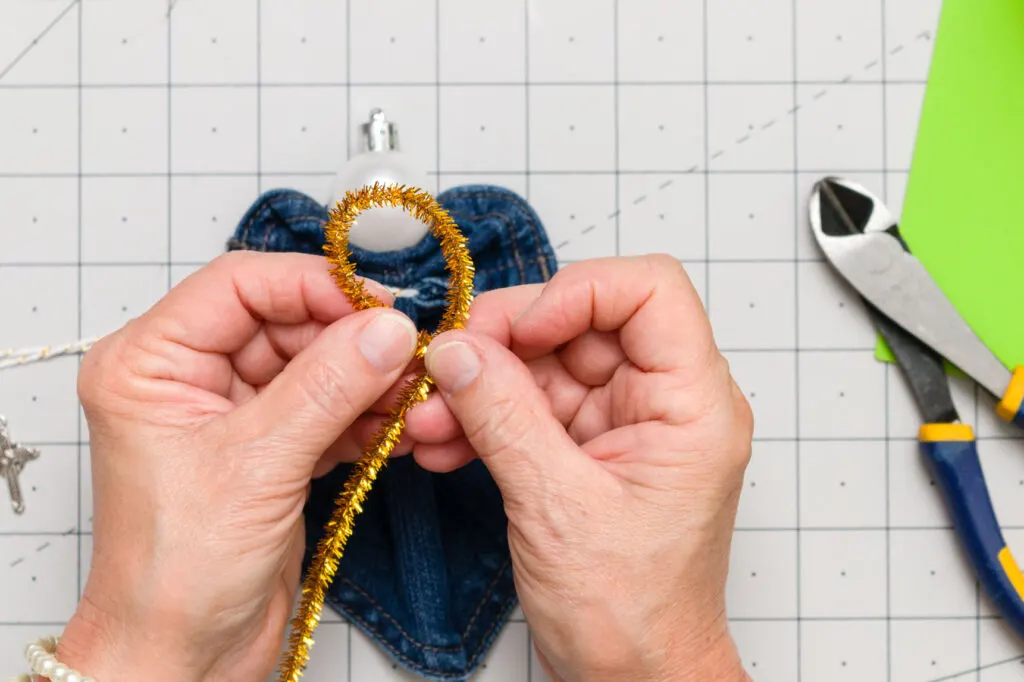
column 755, row 130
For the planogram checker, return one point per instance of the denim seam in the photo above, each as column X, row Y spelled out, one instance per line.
column 488, row 636
column 391, row 619
column 484, row 641
column 527, row 214
column 381, row 640
column 483, row 599
column 304, row 218
column 265, row 208
column 511, row 236
column 267, row 236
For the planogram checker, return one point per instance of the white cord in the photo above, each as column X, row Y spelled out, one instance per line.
column 404, row 293
column 15, row 357
column 26, row 356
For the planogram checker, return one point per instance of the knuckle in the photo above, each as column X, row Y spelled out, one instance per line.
column 97, row 371
column 664, row 264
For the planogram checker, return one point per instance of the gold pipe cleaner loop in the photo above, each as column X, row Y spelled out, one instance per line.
column 422, row 206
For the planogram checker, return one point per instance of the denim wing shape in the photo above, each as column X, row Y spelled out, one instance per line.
column 427, row 573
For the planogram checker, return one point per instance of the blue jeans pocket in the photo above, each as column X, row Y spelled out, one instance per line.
column 427, row 573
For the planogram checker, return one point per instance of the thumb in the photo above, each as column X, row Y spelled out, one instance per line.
column 334, row 380
column 505, row 417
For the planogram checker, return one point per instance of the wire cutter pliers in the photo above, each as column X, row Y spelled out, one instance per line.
column 862, row 241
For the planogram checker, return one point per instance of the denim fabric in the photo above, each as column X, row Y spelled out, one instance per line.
column 427, row 573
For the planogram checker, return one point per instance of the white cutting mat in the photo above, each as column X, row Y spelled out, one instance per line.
column 133, row 133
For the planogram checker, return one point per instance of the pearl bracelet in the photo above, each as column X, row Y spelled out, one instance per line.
column 40, row 656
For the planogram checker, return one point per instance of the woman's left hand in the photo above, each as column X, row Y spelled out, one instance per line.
column 208, row 416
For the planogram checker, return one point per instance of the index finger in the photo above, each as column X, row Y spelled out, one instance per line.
column 222, row 306
column 648, row 300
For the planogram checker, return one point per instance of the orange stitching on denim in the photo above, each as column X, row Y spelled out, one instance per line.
column 506, row 607
column 487, row 638
column 391, row 619
column 390, row 647
column 483, row 599
column 526, row 209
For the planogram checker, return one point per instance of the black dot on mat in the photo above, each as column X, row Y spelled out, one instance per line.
column 213, row 40
column 661, row 216
column 213, row 130
column 753, row 574
column 751, row 305
column 753, row 484
column 124, row 130
column 661, row 127
column 842, row 484
column 932, row 572
column 844, row 664
column 750, row 39
column 124, row 219
column 842, row 573
column 841, row 394
column 33, row 488
column 753, row 664
column 933, row 662
column 750, row 217
column 214, row 219
column 842, row 304
column 394, row 666
column 572, row 127
column 483, row 128
column 35, row 130
column 572, row 216
column 35, row 398
column 35, row 219
column 572, row 39
column 33, row 578
column 931, row 483
column 303, row 128
column 303, row 41
column 124, row 309
column 392, row 39
column 753, row 395
column 839, row 39
column 35, row 309
column 839, row 127
column 483, row 39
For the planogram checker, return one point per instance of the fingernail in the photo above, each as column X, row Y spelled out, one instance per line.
column 453, row 365
column 388, row 341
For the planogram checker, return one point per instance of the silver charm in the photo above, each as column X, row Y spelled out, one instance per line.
column 13, row 458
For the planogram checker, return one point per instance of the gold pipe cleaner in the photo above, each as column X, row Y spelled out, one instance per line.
column 422, row 206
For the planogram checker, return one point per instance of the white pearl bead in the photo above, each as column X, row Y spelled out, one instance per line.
column 47, row 666
column 73, row 677
column 37, row 658
column 31, row 649
column 60, row 673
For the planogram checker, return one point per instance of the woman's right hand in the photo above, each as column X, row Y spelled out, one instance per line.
column 619, row 440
